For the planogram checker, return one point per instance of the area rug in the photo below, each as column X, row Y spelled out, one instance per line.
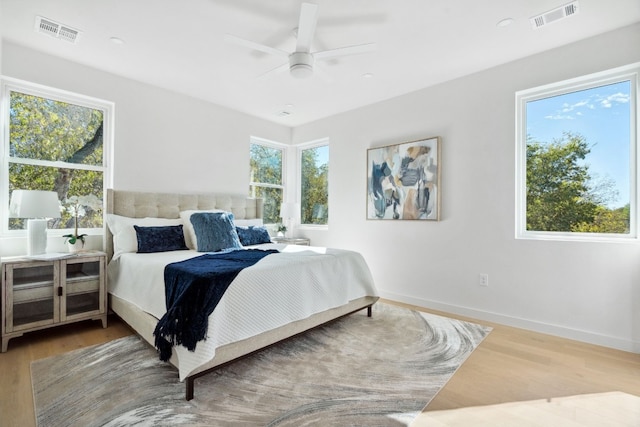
column 357, row 371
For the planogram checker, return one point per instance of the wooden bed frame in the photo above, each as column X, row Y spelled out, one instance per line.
column 168, row 205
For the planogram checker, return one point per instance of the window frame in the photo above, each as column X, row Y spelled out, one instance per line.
column 8, row 85
column 626, row 73
column 283, row 149
column 300, row 148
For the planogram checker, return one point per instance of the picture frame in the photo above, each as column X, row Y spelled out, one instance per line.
column 403, row 181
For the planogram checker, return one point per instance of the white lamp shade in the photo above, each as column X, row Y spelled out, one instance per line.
column 288, row 210
column 34, row 204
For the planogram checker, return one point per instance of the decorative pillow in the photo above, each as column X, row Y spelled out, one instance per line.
column 253, row 235
column 124, row 235
column 190, row 237
column 160, row 239
column 215, row 231
column 256, row 222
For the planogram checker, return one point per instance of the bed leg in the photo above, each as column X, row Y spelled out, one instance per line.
column 369, row 310
column 189, row 388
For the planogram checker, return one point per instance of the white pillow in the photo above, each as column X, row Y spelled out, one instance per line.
column 189, row 233
column 124, row 235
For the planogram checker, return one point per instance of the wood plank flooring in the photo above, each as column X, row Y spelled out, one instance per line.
column 511, row 365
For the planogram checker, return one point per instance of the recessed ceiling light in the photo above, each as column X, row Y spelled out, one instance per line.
column 505, row 22
column 116, row 40
column 367, row 75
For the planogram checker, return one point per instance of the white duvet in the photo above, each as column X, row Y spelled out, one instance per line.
column 281, row 288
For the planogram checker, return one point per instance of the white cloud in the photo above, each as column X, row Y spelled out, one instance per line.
column 592, row 103
column 616, row 98
column 559, row 117
column 566, row 108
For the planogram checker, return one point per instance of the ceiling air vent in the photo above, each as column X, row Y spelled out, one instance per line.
column 57, row 30
column 554, row 15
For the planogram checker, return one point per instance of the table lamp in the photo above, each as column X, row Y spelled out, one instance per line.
column 37, row 206
column 288, row 211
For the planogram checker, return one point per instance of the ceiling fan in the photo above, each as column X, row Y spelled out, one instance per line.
column 302, row 60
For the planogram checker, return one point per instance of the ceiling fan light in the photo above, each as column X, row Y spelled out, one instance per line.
column 301, row 71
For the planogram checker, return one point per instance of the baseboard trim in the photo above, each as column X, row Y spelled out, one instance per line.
column 532, row 325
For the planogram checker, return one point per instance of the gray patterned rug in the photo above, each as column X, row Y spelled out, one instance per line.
column 357, row 371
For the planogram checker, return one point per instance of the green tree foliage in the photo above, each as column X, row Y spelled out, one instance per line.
column 315, row 189
column 266, row 179
column 561, row 193
column 44, row 131
column 606, row 221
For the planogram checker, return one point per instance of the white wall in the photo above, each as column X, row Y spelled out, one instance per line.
column 587, row 291
column 160, row 135
column 164, row 141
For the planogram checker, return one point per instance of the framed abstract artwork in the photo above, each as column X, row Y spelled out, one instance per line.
column 403, row 181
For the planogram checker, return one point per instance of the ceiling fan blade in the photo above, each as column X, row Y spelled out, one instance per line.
column 279, row 69
column 306, row 26
column 347, row 50
column 255, row 46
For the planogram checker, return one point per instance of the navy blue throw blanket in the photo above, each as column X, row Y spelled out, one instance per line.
column 193, row 289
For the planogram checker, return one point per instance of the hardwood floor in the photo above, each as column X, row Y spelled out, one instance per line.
column 510, row 365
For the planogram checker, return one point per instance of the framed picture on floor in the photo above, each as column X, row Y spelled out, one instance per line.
column 403, row 181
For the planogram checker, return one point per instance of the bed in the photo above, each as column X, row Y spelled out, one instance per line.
column 281, row 296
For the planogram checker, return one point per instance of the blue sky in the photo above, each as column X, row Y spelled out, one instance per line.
column 602, row 116
column 323, row 155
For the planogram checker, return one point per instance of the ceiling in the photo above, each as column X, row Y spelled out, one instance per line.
column 180, row 45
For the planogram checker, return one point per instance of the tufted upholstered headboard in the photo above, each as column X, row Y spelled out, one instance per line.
column 136, row 204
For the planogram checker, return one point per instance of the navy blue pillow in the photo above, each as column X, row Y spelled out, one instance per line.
column 215, row 231
column 160, row 239
column 253, row 235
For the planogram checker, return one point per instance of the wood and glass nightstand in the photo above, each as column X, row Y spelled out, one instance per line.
column 42, row 293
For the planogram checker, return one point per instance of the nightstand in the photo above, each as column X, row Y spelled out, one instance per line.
column 292, row 240
column 39, row 294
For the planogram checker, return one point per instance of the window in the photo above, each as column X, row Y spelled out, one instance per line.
column 266, row 181
column 576, row 158
column 314, row 183
column 55, row 141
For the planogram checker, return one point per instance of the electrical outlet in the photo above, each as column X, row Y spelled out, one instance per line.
column 483, row 279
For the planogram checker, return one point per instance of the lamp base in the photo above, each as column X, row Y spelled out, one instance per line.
column 36, row 236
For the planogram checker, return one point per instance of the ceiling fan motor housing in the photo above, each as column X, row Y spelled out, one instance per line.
column 301, row 64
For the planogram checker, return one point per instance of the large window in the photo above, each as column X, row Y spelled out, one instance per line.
column 314, row 183
column 266, row 181
column 55, row 141
column 576, row 158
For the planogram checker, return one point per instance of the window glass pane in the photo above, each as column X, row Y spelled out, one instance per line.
column 266, row 164
column 578, row 176
column 69, row 183
column 45, row 129
column 55, row 146
column 314, row 206
column 272, row 201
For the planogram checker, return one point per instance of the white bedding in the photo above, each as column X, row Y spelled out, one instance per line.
column 281, row 288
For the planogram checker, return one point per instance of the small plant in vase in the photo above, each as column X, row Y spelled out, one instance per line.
column 281, row 230
column 76, row 206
